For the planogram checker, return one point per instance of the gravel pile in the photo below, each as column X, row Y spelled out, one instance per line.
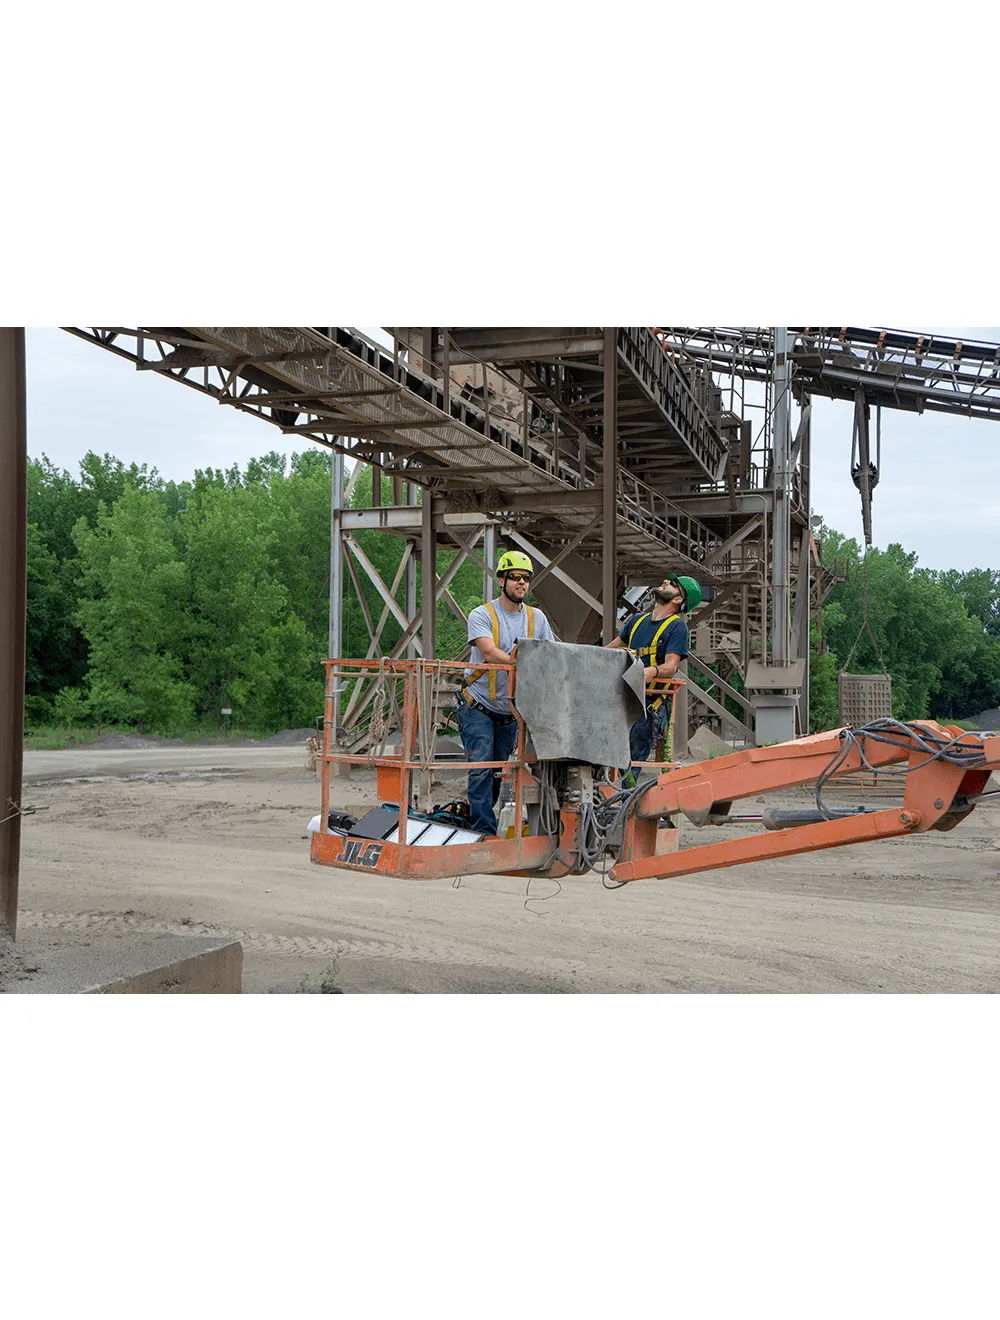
column 986, row 719
column 133, row 742
column 286, row 738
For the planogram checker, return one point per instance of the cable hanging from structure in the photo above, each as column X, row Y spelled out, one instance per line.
column 865, row 625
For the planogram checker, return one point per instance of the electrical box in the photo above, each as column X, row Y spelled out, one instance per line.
column 774, row 717
column 864, row 697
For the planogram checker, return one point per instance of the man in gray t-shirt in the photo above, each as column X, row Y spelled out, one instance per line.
column 488, row 729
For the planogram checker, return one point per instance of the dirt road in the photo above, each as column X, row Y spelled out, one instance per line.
column 216, row 843
column 89, row 762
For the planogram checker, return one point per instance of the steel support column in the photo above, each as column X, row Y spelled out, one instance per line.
column 13, row 572
column 609, row 478
column 805, row 451
column 679, row 734
column 410, row 497
column 428, row 578
column 336, row 633
column 428, row 609
column 782, row 521
column 490, row 556
column 805, row 550
column 800, row 627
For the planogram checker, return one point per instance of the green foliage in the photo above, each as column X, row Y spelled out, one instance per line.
column 228, row 535
column 980, row 589
column 932, row 629
column 49, row 622
column 46, row 737
column 327, row 985
column 56, row 647
column 132, row 613
column 71, row 707
column 823, row 705
column 153, row 604
column 286, row 676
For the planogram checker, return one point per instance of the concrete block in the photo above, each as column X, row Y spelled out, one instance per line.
column 216, row 971
column 703, row 743
column 124, row 963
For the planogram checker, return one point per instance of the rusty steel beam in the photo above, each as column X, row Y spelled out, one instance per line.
column 13, row 595
column 186, row 358
column 428, row 577
column 267, row 400
column 510, row 345
column 332, row 383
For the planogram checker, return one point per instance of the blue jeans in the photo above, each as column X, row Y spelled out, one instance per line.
column 484, row 740
column 647, row 732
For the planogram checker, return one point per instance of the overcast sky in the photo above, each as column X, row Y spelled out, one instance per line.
column 939, row 492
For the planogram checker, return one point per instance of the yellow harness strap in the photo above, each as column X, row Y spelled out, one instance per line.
column 495, row 629
column 648, row 653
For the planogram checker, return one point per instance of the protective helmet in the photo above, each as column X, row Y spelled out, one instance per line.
column 514, row 561
column 692, row 591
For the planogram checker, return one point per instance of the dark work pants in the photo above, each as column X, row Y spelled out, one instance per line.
column 484, row 740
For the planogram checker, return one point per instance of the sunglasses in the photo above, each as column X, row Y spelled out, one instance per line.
column 518, row 577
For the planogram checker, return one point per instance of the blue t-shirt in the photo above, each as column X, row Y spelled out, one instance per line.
column 513, row 628
column 674, row 641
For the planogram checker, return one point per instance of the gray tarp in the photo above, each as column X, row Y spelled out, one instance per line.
column 578, row 702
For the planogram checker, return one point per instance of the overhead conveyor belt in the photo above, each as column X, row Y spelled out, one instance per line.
column 903, row 369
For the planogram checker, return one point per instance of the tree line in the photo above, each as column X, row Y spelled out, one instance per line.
column 936, row 632
column 155, row 605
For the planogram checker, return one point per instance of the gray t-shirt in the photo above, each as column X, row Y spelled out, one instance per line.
column 512, row 628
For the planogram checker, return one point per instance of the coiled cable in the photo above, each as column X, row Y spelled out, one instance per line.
column 896, row 733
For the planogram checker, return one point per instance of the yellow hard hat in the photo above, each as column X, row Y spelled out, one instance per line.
column 514, row 561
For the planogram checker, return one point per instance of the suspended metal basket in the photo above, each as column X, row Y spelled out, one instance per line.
column 864, row 697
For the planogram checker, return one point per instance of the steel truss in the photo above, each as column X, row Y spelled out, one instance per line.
column 611, row 455
column 337, row 387
column 895, row 368
column 525, row 455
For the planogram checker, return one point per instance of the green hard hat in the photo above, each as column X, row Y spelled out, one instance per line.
column 692, row 591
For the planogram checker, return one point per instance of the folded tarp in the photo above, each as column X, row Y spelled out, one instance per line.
column 578, row 702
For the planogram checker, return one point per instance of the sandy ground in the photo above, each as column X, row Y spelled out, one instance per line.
column 202, row 841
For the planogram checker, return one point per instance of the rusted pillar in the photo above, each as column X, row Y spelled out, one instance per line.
column 490, row 556
column 428, row 577
column 781, row 589
column 609, row 590
column 13, row 574
column 410, row 497
column 335, row 644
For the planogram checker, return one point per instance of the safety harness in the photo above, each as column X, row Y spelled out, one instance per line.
column 648, row 653
column 469, row 679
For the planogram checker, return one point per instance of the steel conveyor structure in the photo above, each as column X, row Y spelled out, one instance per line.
column 896, row 368
column 340, row 388
column 611, row 455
